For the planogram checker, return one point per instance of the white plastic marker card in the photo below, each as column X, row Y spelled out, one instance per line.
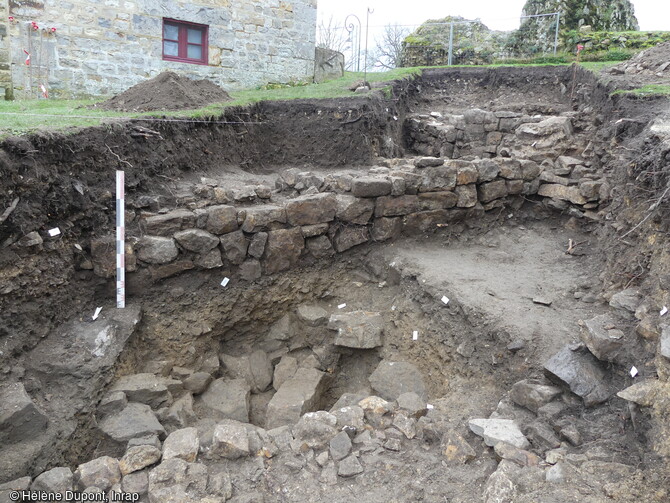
column 415, row 335
column 54, row 232
column 341, row 306
column 663, row 311
column 633, row 371
column 445, row 299
column 429, row 406
column 97, row 313
column 225, row 282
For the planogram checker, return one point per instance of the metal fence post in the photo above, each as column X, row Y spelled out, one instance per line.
column 451, row 44
column 558, row 19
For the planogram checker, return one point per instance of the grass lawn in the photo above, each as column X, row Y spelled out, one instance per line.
column 648, row 90
column 25, row 116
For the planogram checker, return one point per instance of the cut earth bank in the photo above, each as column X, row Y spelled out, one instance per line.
column 438, row 271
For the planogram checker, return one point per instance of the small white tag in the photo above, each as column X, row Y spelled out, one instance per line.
column 663, row 311
column 415, row 335
column 633, row 371
column 54, row 232
column 97, row 313
column 341, row 306
column 445, row 299
column 392, row 308
column 225, row 282
column 429, row 406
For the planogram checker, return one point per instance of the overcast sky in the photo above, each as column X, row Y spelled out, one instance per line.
column 496, row 14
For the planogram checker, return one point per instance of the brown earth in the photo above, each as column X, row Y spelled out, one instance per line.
column 166, row 91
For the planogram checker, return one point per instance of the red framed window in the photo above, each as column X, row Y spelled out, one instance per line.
column 185, row 42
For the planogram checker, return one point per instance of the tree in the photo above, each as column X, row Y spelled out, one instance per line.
column 388, row 49
column 330, row 35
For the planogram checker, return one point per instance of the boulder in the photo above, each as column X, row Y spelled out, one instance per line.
column 455, row 449
column 581, row 372
column 197, row 382
column 169, row 223
column 184, row 444
column 56, row 480
column 340, row 446
column 626, row 301
column 355, row 210
column 139, row 457
column 143, row 388
column 466, row 196
column 209, row 260
column 370, row 187
column 392, row 379
column 257, row 244
column 494, row 431
column 602, row 339
column 315, row 429
column 492, row 190
column 562, row 193
column 320, row 247
column 283, row 249
column 349, row 418
column 227, row 399
column 385, row 228
column 102, row 473
column 487, row 170
column 297, row 395
column 284, row 370
column 438, row 179
column 311, row 315
column 533, row 395
column 230, row 440
column 521, row 457
column 263, row 218
column 136, row 482
column 255, row 368
column 157, row 250
column 221, row 219
column 437, row 200
column 644, row 393
column 180, row 414
column 348, row 237
column 412, row 404
column 311, row 209
column 547, row 133
column 235, row 246
column 20, row 418
column 196, row 240
column 357, row 329
column 135, row 420
column 393, row 206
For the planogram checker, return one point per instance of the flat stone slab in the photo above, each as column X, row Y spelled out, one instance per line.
column 143, row 388
column 135, row 420
column 602, row 338
column 581, row 372
column 494, row 431
column 227, row 399
column 357, row 329
column 297, row 395
column 392, row 379
column 533, row 395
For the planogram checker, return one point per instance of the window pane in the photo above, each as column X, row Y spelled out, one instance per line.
column 171, row 48
column 170, row 32
column 194, row 51
column 194, row 36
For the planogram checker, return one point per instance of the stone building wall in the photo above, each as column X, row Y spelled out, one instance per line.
column 5, row 73
column 102, row 47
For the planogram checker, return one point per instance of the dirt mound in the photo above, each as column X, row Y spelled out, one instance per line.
column 167, row 91
column 653, row 61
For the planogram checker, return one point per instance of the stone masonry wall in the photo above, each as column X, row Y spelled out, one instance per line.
column 5, row 68
column 103, row 47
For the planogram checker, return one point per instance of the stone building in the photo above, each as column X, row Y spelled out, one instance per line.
column 101, row 47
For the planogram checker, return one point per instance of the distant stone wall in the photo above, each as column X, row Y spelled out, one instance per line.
column 6, row 90
column 103, row 47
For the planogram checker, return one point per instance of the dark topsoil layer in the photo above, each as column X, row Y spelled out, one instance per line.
column 167, row 91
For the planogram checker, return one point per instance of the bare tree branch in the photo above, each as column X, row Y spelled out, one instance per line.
column 388, row 49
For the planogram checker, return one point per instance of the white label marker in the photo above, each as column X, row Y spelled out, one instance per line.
column 225, row 282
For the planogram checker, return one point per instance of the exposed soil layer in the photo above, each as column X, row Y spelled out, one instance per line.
column 651, row 66
column 166, row 91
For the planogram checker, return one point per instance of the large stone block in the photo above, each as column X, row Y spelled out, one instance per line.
column 562, row 193
column 227, row 399
column 495, row 431
column 196, row 240
column 348, row 237
column 602, row 338
column 370, row 187
column 169, row 223
column 311, row 209
column 20, row 418
column 355, row 210
column 283, row 249
column 157, row 250
column 297, row 395
column 143, row 388
column 135, row 420
column 255, row 368
column 235, row 245
column 357, row 329
column 392, row 206
column 492, row 190
column 392, row 379
column 429, row 201
column 221, row 219
column 385, row 228
column 263, row 218
column 438, row 179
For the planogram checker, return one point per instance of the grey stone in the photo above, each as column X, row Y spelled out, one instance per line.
column 533, row 395
column 221, row 219
column 370, row 187
column 357, row 329
column 144, row 388
column 393, row 444
column 385, row 228
column 562, row 193
column 376, row 411
column 169, row 223
column 151, row 440
column 255, row 368
column 157, row 250
column 626, row 300
column 349, row 418
column 263, row 218
column 393, row 206
column 466, row 196
column 139, row 457
column 455, row 449
column 542, row 436
column 283, row 249
column 547, row 133
column 602, row 339
column 427, row 162
column 209, row 260
column 354, row 210
column 31, row 239
column 349, row 467
column 169, row 480
column 310, row 231
column 643, row 393
column 184, row 444
column 348, row 237
column 312, row 315
column 315, row 429
column 340, row 446
column 322, row 459
column 101, row 472
column 412, row 404
column 492, row 190
column 392, row 379
column 284, row 370
column 20, row 418
column 235, row 245
column 220, row 484
column 135, row 420
column 197, row 382
column 257, row 245
column 555, row 474
column 136, row 482
column 250, row 270
column 307, row 179
column 196, row 240
column 311, row 209
column 487, row 169
column 56, row 480
column 499, row 430
column 230, row 440
column 438, row 179
column 299, row 394
column 227, row 399
column 320, row 247
column 180, row 414
column 406, row 425
column 581, row 372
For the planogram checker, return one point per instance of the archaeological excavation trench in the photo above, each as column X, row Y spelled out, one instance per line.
column 411, row 296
